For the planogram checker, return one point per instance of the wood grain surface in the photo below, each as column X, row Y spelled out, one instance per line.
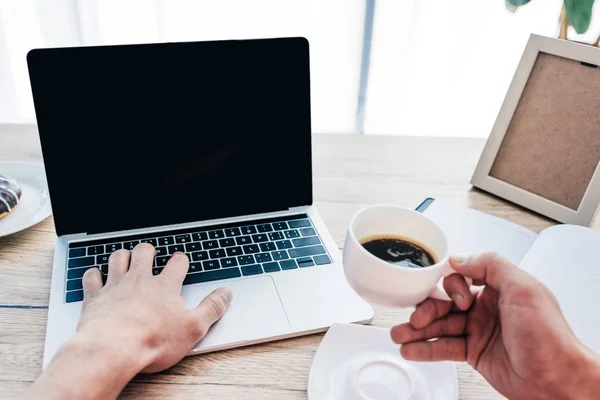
column 350, row 171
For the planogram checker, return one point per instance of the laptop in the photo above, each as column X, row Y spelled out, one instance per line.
column 198, row 147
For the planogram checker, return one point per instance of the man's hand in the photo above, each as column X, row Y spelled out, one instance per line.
column 512, row 332
column 135, row 323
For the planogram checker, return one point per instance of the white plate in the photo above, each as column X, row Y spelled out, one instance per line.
column 356, row 362
column 34, row 206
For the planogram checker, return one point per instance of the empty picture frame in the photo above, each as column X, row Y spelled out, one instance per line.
column 544, row 150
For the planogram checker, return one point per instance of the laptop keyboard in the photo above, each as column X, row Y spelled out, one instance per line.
column 215, row 253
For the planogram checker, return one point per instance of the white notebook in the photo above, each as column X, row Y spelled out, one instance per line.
column 566, row 258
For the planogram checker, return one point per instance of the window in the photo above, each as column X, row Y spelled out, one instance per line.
column 435, row 67
column 442, row 67
column 333, row 28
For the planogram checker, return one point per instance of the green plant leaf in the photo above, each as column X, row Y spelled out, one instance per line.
column 579, row 14
column 516, row 3
column 510, row 6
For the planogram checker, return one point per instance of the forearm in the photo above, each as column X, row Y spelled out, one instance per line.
column 587, row 378
column 82, row 369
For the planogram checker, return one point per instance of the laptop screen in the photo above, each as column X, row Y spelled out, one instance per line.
column 148, row 135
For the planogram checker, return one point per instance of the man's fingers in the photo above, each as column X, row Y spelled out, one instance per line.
column 490, row 268
column 92, row 282
column 142, row 258
column 428, row 311
column 447, row 348
column 452, row 325
column 209, row 311
column 459, row 291
column 176, row 269
column 118, row 264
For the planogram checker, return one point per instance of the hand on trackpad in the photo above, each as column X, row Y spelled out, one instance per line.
column 255, row 312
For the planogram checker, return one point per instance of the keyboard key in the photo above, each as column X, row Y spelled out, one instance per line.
column 195, row 267
column 234, row 251
column 252, row 270
column 243, row 240
column 276, row 236
column 307, row 232
column 218, row 253
column 77, row 295
column 280, row 255
column 217, row 234
column 225, row 273
column 152, row 241
column 211, row 264
column 263, row 258
column 102, row 259
column 77, row 252
column 195, row 246
column 264, row 228
column 251, row 249
column 307, row 251
column 321, row 260
column 131, row 245
column 210, row 244
column 245, row 260
column 284, row 244
column 165, row 241
column 81, row 262
column 271, row 267
column 259, row 238
column 200, row 255
column 227, row 242
column 200, row 236
column 95, row 250
column 292, row 234
column 111, row 248
column 288, row 264
column 176, row 247
column 305, row 262
column 74, row 284
column 162, row 261
column 161, row 251
column 157, row 271
column 78, row 272
column 299, row 223
column 232, row 232
column 229, row 262
column 248, row 230
column 280, row 226
column 267, row 246
column 104, row 269
column 183, row 239
column 307, row 241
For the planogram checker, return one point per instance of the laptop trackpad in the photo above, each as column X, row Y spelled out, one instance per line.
column 255, row 312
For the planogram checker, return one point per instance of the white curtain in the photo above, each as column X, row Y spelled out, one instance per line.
column 437, row 67
column 334, row 29
column 442, row 67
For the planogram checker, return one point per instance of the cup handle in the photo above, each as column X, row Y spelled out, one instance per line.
column 438, row 291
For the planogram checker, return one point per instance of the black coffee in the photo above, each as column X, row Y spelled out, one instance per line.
column 399, row 251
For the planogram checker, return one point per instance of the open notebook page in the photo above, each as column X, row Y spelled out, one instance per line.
column 473, row 232
column 566, row 258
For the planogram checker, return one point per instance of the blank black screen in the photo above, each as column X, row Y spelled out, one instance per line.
column 148, row 135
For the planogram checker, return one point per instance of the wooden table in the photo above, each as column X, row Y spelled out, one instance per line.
column 350, row 171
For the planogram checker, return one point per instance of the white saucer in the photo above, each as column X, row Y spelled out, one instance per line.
column 357, row 362
column 34, row 206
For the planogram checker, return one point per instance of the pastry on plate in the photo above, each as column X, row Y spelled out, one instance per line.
column 10, row 195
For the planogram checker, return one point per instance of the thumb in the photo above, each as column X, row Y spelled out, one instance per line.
column 490, row 268
column 209, row 311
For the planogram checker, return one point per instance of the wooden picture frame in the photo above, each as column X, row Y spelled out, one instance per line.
column 544, row 150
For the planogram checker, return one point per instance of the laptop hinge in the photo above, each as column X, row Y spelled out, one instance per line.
column 298, row 209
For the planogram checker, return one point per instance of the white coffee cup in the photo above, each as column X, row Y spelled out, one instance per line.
column 382, row 283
